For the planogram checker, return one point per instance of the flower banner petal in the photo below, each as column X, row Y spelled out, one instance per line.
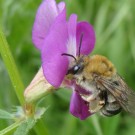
column 54, row 65
column 61, row 6
column 78, row 107
column 71, row 44
column 88, row 40
column 45, row 16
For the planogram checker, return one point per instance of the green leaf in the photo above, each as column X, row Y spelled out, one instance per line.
column 11, row 67
column 5, row 115
column 25, row 127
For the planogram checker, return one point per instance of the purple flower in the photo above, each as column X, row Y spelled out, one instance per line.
column 53, row 35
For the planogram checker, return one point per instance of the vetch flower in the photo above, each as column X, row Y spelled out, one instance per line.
column 53, row 35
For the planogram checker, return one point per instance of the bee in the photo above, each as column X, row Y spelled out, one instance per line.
column 109, row 92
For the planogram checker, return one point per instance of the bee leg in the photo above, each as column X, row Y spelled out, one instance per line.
column 91, row 97
column 96, row 101
column 96, row 105
column 102, row 102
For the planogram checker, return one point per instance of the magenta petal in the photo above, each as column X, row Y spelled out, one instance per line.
column 45, row 16
column 78, row 106
column 88, row 40
column 54, row 65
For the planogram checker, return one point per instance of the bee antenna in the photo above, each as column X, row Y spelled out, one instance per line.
column 70, row 55
column 80, row 44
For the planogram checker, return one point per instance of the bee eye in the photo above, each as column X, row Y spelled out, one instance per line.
column 74, row 69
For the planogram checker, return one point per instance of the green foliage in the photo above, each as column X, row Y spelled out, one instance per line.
column 114, row 23
column 25, row 127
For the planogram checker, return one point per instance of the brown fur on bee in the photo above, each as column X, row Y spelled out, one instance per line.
column 99, row 65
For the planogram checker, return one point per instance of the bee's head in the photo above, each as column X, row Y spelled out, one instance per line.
column 76, row 66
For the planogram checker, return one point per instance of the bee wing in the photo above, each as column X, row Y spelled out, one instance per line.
column 122, row 93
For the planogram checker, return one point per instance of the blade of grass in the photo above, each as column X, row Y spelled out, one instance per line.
column 131, row 38
column 121, row 14
column 89, row 9
column 11, row 67
column 101, row 17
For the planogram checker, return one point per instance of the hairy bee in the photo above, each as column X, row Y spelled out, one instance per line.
column 109, row 92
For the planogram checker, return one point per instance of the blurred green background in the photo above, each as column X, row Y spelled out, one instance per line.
column 114, row 23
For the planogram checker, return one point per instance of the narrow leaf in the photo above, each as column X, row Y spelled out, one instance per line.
column 11, row 67
column 10, row 128
column 5, row 115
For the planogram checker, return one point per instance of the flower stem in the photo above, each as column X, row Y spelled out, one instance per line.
column 97, row 125
column 11, row 67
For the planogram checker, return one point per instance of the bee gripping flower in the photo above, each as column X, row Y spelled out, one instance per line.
column 53, row 35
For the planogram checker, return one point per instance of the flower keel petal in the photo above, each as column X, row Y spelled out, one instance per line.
column 78, row 106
